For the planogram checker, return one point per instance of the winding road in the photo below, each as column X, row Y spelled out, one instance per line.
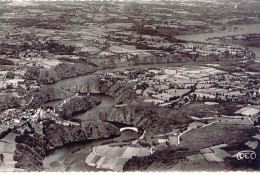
column 179, row 136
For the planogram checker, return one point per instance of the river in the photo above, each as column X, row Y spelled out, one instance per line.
column 247, row 29
column 76, row 80
column 107, row 101
column 54, row 160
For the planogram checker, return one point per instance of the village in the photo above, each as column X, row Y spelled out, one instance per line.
column 166, row 86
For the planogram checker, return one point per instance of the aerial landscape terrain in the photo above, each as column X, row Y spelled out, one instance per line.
column 150, row 85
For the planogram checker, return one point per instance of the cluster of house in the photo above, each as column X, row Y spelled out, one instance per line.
column 212, row 49
column 15, row 118
column 168, row 86
column 13, row 80
column 228, row 87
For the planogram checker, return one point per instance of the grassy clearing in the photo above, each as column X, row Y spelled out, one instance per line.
column 217, row 134
column 124, row 151
column 200, row 109
column 212, row 157
column 234, row 121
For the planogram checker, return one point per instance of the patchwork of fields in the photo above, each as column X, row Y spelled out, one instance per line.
column 212, row 154
column 113, row 158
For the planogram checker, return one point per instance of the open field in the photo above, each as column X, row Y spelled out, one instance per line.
column 113, row 158
column 118, row 49
column 217, row 134
column 201, row 110
column 119, row 152
column 156, row 101
column 212, row 157
column 195, row 124
column 248, row 111
column 235, row 120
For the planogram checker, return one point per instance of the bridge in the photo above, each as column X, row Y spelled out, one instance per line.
column 128, row 128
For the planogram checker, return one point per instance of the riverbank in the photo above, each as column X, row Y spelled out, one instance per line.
column 72, row 157
column 73, row 81
column 59, row 158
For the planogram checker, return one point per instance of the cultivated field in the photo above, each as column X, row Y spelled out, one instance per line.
column 113, row 158
column 217, row 134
